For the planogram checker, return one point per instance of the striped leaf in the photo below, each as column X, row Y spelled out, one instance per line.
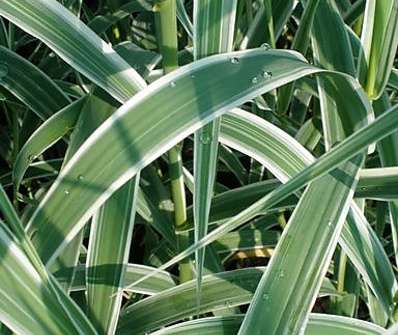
column 209, row 39
column 75, row 43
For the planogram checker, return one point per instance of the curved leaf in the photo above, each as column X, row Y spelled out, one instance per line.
column 29, row 84
column 105, row 167
column 380, row 41
column 318, row 324
column 219, row 291
column 162, row 281
column 45, row 136
column 101, row 23
column 27, row 305
column 75, row 43
column 363, row 257
column 32, row 300
column 214, row 25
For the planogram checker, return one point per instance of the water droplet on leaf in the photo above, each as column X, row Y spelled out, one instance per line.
column 66, row 192
column 254, row 80
column 173, row 84
column 265, row 46
column 205, row 138
column 235, row 60
column 267, row 74
column 80, row 177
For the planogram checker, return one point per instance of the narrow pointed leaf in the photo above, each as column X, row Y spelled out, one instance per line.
column 284, row 157
column 75, row 43
column 134, row 151
column 94, row 112
column 318, row 324
column 184, row 18
column 45, row 136
column 23, row 294
column 300, row 43
column 380, row 128
column 288, row 289
column 22, row 273
column 388, row 151
column 30, row 85
column 154, row 285
column 209, row 38
column 219, row 290
column 101, row 23
column 380, row 41
column 111, row 232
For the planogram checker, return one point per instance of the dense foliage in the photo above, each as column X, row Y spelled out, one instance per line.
column 198, row 167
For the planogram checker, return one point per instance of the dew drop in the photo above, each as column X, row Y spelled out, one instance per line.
column 265, row 46
column 281, row 274
column 80, row 177
column 235, row 60
column 66, row 192
column 329, row 223
column 266, row 74
column 173, row 84
column 265, row 296
column 205, row 138
column 192, row 76
column 3, row 70
column 254, row 80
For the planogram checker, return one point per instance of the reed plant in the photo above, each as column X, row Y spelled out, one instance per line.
column 198, row 167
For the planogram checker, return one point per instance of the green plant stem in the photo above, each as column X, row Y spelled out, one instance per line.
column 11, row 36
column 166, row 25
column 282, row 220
column 180, row 213
column 341, row 280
